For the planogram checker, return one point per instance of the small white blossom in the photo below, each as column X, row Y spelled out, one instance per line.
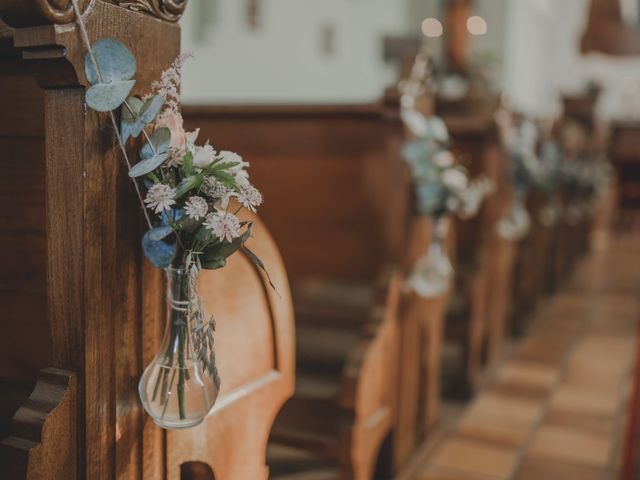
column 214, row 188
column 250, row 197
column 454, row 179
column 203, row 156
column 160, row 197
column 196, row 207
column 443, row 159
column 225, row 226
column 175, row 157
column 239, row 172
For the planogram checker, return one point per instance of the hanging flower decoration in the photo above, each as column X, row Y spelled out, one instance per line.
column 190, row 195
column 524, row 169
column 584, row 180
column 442, row 188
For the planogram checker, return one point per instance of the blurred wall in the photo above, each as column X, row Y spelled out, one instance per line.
column 301, row 51
column 543, row 61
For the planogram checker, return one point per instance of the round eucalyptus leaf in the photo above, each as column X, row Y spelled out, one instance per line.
column 160, row 139
column 148, row 165
column 143, row 114
column 115, row 61
column 158, row 252
column 128, row 117
column 105, row 97
column 158, row 233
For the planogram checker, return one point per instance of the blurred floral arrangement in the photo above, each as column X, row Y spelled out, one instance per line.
column 442, row 188
column 525, row 170
column 190, row 195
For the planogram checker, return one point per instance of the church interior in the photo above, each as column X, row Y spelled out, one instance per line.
column 422, row 262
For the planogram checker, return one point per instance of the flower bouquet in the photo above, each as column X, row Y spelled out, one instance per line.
column 441, row 189
column 190, row 195
column 525, row 171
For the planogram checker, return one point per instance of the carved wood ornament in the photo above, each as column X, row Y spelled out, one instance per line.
column 40, row 12
column 169, row 10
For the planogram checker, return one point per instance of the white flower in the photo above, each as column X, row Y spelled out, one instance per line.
column 453, row 203
column 438, row 129
column 196, row 207
column 160, row 197
column 454, row 179
column 238, row 171
column 176, row 157
column 203, row 156
column 214, row 188
column 443, row 159
column 415, row 122
column 225, row 226
column 250, row 197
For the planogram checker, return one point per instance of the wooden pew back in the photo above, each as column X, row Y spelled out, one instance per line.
column 337, row 194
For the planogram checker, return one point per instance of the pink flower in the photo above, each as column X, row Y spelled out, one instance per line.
column 173, row 121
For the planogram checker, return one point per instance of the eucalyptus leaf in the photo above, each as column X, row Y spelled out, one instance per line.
column 105, row 97
column 143, row 114
column 115, row 61
column 158, row 252
column 148, row 165
column 158, row 233
column 175, row 215
column 160, row 139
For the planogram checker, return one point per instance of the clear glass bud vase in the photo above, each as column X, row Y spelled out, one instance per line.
column 179, row 387
column 432, row 274
column 516, row 224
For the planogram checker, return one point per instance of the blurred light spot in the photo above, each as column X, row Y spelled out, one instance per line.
column 476, row 25
column 432, row 28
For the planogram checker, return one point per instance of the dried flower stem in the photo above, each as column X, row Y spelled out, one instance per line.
column 125, row 155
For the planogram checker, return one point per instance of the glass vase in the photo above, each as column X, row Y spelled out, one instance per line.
column 180, row 386
column 516, row 224
column 432, row 274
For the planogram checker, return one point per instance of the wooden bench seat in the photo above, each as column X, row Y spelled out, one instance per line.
column 478, row 313
column 337, row 196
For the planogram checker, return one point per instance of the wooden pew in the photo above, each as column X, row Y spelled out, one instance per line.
column 480, row 304
column 338, row 201
column 83, row 311
column 531, row 266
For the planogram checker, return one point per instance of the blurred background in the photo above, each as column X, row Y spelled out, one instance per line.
column 522, row 364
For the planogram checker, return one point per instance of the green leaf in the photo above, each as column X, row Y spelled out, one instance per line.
column 187, row 184
column 216, row 256
column 105, row 97
column 115, row 61
column 221, row 166
column 258, row 263
column 225, row 178
column 148, row 165
column 143, row 114
column 160, row 139
column 187, row 164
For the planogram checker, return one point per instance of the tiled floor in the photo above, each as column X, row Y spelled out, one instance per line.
column 555, row 409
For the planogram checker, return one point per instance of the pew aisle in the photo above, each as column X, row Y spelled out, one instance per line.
column 556, row 408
